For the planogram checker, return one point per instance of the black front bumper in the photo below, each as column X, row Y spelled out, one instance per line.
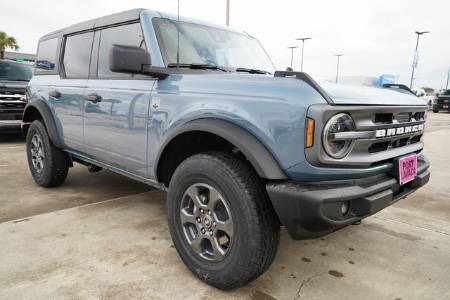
column 11, row 114
column 310, row 210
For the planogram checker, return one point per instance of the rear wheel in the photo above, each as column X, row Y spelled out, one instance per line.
column 221, row 220
column 48, row 165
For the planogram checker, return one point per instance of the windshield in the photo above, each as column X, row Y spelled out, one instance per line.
column 201, row 44
column 12, row 71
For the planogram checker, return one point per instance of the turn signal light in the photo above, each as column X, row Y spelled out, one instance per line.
column 309, row 136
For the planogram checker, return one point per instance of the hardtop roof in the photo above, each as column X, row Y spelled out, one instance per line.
column 121, row 17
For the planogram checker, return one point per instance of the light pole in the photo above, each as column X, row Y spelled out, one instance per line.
column 414, row 64
column 448, row 77
column 303, row 47
column 228, row 13
column 337, row 68
column 292, row 55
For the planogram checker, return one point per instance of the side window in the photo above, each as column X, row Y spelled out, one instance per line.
column 129, row 35
column 77, row 55
column 46, row 54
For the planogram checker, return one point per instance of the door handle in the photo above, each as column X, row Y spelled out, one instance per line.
column 93, row 98
column 55, row 94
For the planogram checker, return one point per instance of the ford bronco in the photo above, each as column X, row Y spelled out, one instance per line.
column 198, row 110
column 14, row 77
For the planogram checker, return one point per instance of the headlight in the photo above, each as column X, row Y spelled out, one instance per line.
column 338, row 123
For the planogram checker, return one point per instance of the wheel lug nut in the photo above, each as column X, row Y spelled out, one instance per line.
column 203, row 230
column 199, row 220
column 201, row 210
column 214, row 223
column 209, row 212
column 210, row 232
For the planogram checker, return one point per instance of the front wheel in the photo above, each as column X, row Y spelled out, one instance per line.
column 221, row 220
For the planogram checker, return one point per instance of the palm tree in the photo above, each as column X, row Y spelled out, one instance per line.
column 7, row 42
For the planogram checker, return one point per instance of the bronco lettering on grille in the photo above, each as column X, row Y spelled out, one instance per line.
column 381, row 133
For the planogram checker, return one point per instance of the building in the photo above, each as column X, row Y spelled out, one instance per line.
column 22, row 57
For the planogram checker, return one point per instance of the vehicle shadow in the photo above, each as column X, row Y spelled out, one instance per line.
column 11, row 137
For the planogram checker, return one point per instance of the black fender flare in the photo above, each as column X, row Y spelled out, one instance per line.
column 259, row 156
column 48, row 119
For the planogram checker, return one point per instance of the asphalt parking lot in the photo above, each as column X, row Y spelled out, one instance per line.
column 104, row 236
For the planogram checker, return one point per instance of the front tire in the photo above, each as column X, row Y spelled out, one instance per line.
column 221, row 220
column 48, row 165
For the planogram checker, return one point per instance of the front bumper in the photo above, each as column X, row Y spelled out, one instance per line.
column 310, row 210
column 10, row 124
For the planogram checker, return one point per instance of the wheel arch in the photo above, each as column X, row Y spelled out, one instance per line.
column 260, row 158
column 39, row 110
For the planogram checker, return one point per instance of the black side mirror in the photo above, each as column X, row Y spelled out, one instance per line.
column 133, row 60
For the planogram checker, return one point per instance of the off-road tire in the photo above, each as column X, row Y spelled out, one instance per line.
column 55, row 162
column 256, row 226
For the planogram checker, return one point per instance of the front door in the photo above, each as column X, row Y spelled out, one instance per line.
column 116, row 107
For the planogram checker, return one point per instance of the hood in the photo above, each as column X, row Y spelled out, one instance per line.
column 361, row 95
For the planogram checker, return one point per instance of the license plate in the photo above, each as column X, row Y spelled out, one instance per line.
column 407, row 168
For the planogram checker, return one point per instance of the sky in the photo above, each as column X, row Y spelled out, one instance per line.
column 376, row 37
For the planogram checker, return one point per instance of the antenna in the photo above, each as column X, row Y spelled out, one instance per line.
column 178, row 36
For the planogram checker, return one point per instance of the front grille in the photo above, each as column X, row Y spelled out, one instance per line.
column 402, row 117
column 383, row 133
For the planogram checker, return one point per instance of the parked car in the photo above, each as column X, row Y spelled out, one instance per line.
column 442, row 101
column 14, row 77
column 423, row 95
column 239, row 147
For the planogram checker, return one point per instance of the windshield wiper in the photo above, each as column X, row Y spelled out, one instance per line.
column 197, row 66
column 252, row 71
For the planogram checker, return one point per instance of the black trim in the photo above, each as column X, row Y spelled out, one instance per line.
column 258, row 155
column 308, row 79
column 48, row 119
column 311, row 210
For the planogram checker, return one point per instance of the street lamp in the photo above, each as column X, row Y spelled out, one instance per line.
column 303, row 47
column 414, row 65
column 292, row 55
column 337, row 69
column 448, row 77
column 228, row 13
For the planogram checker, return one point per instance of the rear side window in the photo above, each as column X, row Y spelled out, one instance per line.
column 46, row 55
column 129, row 35
column 77, row 55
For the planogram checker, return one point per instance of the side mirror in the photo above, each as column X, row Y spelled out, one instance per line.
column 133, row 60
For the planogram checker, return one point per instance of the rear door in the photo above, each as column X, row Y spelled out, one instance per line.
column 67, row 94
column 117, row 105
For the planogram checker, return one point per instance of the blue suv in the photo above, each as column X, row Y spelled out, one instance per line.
column 199, row 110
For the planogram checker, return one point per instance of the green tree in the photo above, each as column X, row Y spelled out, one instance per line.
column 428, row 90
column 7, row 42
